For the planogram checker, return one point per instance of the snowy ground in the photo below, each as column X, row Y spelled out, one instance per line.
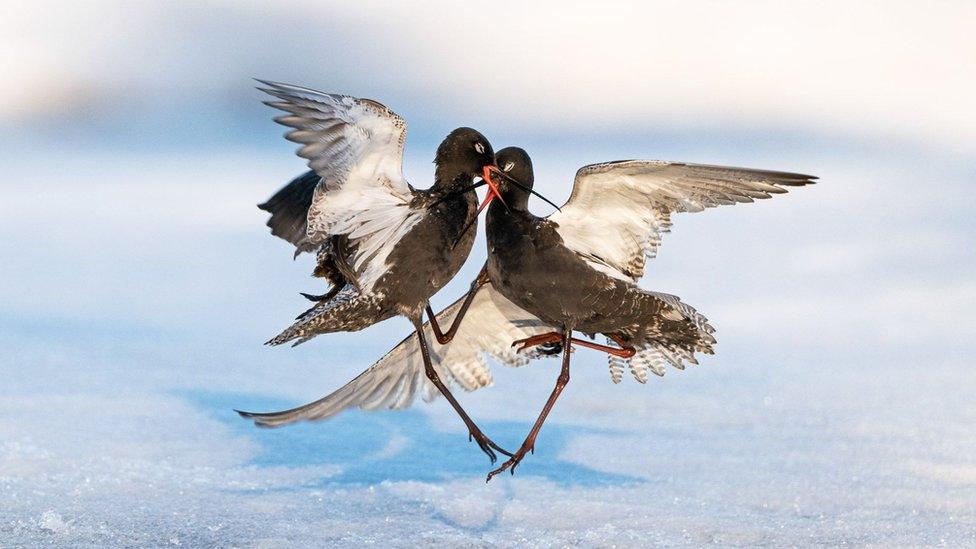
column 136, row 289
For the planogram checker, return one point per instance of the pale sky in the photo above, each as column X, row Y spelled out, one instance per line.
column 139, row 280
column 888, row 70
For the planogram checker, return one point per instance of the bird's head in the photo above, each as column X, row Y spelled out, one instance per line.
column 465, row 158
column 516, row 180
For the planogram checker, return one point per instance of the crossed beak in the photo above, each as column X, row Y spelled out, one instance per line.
column 488, row 172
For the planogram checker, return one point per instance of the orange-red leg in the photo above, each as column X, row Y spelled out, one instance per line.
column 541, row 339
column 529, row 444
column 624, row 351
column 485, row 443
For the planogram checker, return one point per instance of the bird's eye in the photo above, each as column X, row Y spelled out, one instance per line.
column 508, row 166
column 479, row 147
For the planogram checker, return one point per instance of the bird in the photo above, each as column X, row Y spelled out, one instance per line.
column 613, row 222
column 385, row 246
column 578, row 269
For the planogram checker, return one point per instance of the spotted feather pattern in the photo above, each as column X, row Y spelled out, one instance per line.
column 348, row 311
column 659, row 349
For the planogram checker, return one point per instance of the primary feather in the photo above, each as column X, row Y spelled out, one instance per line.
column 355, row 146
column 619, row 210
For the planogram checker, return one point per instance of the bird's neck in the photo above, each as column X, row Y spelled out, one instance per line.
column 502, row 222
column 451, row 177
column 451, row 196
column 510, row 205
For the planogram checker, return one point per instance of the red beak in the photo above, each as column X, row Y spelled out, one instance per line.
column 493, row 192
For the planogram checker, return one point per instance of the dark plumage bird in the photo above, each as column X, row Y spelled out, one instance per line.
column 611, row 224
column 385, row 246
column 577, row 269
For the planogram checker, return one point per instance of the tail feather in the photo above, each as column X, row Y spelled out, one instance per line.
column 682, row 333
column 348, row 311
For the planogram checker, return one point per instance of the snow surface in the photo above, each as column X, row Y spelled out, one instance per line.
column 136, row 289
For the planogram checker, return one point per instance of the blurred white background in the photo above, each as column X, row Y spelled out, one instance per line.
column 138, row 280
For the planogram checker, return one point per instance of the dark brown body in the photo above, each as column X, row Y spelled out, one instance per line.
column 424, row 260
column 529, row 264
column 427, row 258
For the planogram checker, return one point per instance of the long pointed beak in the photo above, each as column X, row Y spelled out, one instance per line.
column 493, row 192
column 519, row 184
column 486, row 175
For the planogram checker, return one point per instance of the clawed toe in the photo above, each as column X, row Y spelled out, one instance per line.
column 488, row 446
column 536, row 340
column 512, row 463
column 500, row 449
column 489, row 452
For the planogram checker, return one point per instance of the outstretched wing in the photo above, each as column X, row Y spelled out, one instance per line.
column 489, row 328
column 289, row 210
column 619, row 210
column 356, row 148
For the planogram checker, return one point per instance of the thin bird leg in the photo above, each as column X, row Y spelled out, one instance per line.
column 619, row 340
column 624, row 351
column 445, row 337
column 541, row 339
column 474, row 432
column 529, row 444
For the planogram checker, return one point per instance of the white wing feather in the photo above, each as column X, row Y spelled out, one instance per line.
column 356, row 147
column 619, row 210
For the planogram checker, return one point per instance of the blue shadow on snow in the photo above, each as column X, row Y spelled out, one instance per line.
column 358, row 442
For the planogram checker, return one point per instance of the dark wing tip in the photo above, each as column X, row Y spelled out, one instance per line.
column 257, row 418
column 268, row 83
column 790, row 179
column 801, row 179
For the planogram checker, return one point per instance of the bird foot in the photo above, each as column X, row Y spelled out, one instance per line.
column 487, row 445
column 513, row 461
column 541, row 339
